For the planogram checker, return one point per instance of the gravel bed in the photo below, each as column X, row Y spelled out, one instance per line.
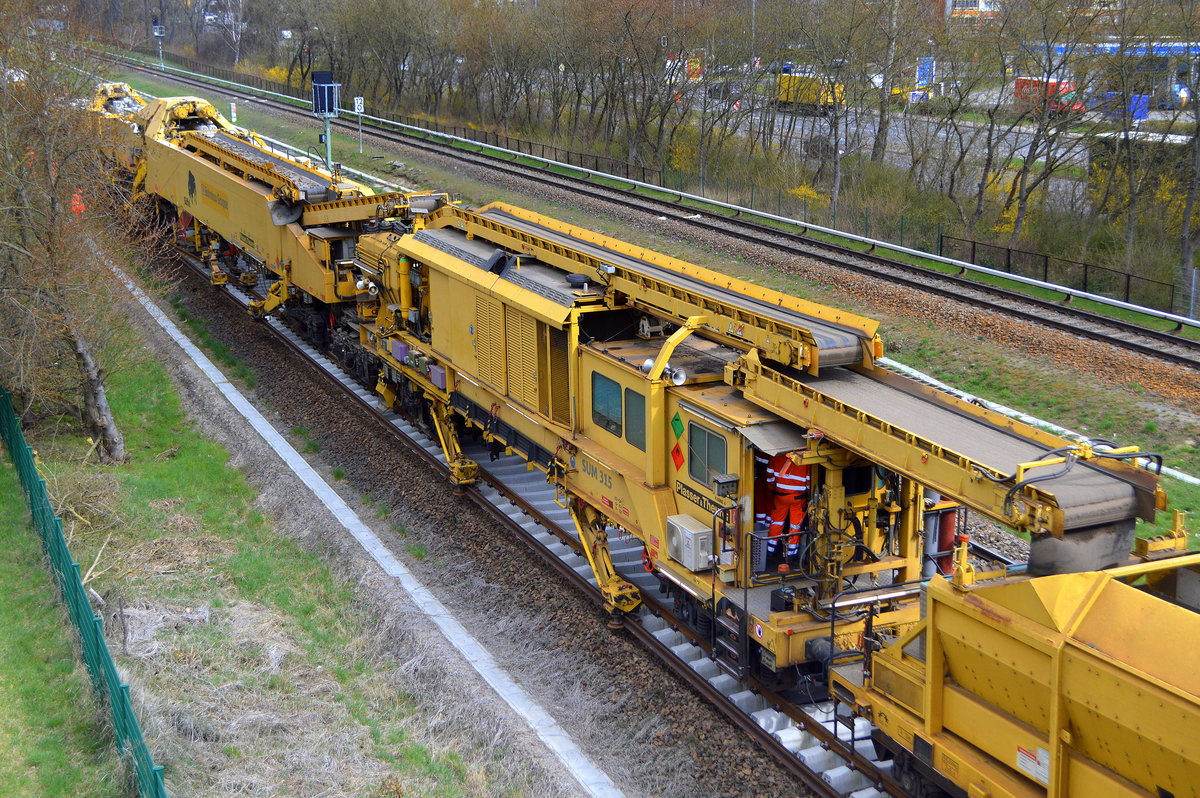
column 638, row 721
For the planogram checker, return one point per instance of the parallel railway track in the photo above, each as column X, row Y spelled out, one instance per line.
column 1167, row 346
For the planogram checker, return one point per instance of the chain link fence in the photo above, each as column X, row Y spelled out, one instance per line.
column 105, row 680
column 1089, row 277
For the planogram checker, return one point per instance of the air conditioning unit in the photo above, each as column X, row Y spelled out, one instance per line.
column 689, row 542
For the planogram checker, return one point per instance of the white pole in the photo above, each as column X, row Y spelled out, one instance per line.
column 328, row 146
column 360, row 133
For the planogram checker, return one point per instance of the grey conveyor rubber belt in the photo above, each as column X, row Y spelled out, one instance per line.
column 1088, row 496
column 838, row 346
column 316, row 187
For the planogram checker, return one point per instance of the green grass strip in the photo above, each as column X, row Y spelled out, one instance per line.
column 52, row 740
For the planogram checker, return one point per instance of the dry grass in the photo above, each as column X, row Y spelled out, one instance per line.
column 88, row 501
column 256, row 669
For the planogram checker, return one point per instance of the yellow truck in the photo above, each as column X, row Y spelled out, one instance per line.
column 808, row 93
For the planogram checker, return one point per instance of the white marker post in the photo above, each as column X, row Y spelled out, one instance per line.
column 358, row 109
column 233, row 112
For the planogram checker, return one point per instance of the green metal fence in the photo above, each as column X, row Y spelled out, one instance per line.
column 99, row 661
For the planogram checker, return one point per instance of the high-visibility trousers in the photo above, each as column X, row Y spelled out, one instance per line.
column 788, row 514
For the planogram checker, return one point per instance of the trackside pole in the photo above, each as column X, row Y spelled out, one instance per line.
column 358, row 109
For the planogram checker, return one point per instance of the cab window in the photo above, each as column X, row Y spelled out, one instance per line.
column 606, row 403
column 706, row 454
column 635, row 418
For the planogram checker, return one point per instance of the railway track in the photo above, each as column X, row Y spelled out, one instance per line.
column 831, row 755
column 1056, row 314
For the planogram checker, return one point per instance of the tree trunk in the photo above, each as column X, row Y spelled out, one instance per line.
column 1187, row 233
column 97, row 415
column 879, row 146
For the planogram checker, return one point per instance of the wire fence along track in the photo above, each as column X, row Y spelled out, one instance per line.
column 105, row 680
column 806, row 230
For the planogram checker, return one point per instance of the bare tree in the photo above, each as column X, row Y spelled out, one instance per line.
column 58, row 307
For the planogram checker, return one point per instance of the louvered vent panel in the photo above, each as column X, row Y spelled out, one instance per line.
column 489, row 341
column 560, row 377
column 522, row 356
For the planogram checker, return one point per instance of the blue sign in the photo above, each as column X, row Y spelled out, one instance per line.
column 324, row 94
column 926, row 72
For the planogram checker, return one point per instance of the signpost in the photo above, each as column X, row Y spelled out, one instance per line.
column 325, row 104
column 159, row 32
column 358, row 109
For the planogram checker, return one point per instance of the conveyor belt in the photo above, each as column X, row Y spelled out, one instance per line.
column 315, row 186
column 1088, row 496
column 838, row 346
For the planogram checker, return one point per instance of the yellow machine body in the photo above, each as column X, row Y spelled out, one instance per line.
column 1081, row 684
column 647, row 404
column 284, row 216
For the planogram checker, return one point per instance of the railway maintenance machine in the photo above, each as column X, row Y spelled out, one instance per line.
column 794, row 498
column 746, row 437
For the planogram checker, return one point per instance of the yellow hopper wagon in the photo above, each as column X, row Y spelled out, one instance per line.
column 1083, row 684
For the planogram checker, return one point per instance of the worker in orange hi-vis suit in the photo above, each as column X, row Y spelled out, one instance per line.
column 774, row 465
column 792, row 482
column 764, row 489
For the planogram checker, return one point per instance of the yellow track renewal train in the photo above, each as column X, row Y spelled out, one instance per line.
column 794, row 498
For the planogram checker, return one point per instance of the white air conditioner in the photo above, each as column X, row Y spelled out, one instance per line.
column 689, row 542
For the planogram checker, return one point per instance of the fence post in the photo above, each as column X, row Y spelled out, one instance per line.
column 973, row 253
column 939, row 240
column 1127, row 276
column 901, row 229
column 866, row 222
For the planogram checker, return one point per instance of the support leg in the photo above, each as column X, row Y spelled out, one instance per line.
column 463, row 470
column 619, row 596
